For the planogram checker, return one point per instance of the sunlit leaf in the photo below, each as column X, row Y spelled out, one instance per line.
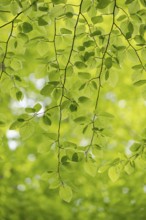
column 114, row 173
column 140, row 82
column 65, row 193
column 26, row 130
column 90, row 168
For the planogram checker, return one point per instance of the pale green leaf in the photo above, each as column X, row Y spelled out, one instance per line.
column 26, row 130
column 114, row 173
column 90, row 168
column 65, row 193
column 65, row 31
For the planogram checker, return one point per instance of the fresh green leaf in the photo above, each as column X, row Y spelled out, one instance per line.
column 47, row 120
column 26, row 130
column 19, row 95
column 65, row 193
column 114, row 173
column 73, row 107
column 46, row 90
column 80, row 119
column 27, row 27
column 90, row 168
column 83, row 99
column 80, row 65
column 30, row 110
column 129, row 167
column 75, row 157
column 108, row 62
column 135, row 147
column 88, row 43
column 37, row 107
column 140, row 82
column 42, row 22
column 95, row 33
column 97, row 19
column 84, row 75
column 65, row 31
column 129, row 1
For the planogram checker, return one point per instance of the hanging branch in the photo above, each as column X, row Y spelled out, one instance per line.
column 10, row 35
column 99, row 80
column 63, row 90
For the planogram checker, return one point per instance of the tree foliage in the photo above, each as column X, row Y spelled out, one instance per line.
column 71, row 73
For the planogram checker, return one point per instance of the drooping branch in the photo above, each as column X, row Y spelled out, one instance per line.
column 99, row 80
column 63, row 90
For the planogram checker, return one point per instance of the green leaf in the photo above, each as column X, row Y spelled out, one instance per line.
column 97, row 19
column 43, row 148
column 103, row 168
column 130, row 28
column 137, row 67
column 64, row 160
column 87, row 55
column 52, row 136
column 75, row 157
column 37, row 107
column 142, row 29
column 47, row 120
column 42, row 22
column 80, row 119
column 69, row 14
column 84, row 75
column 81, row 48
column 139, row 39
column 46, row 90
column 14, row 7
column 43, row 8
column 82, row 86
column 129, row 1
column 84, row 129
column 26, row 130
column 135, row 147
column 103, row 4
column 27, row 27
column 65, row 193
column 86, row 6
column 94, row 85
column 122, row 17
column 95, row 33
column 30, row 110
column 129, row 168
column 58, row 1
column 19, row 95
column 114, row 173
column 73, row 107
column 54, row 182
column 88, row 43
column 65, row 31
column 108, row 62
column 83, row 99
column 140, row 82
column 15, row 125
column 80, row 65
column 105, row 114
column 143, row 2
column 106, row 75
column 90, row 168
column 57, row 93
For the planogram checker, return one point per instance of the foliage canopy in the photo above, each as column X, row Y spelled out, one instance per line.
column 72, row 95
